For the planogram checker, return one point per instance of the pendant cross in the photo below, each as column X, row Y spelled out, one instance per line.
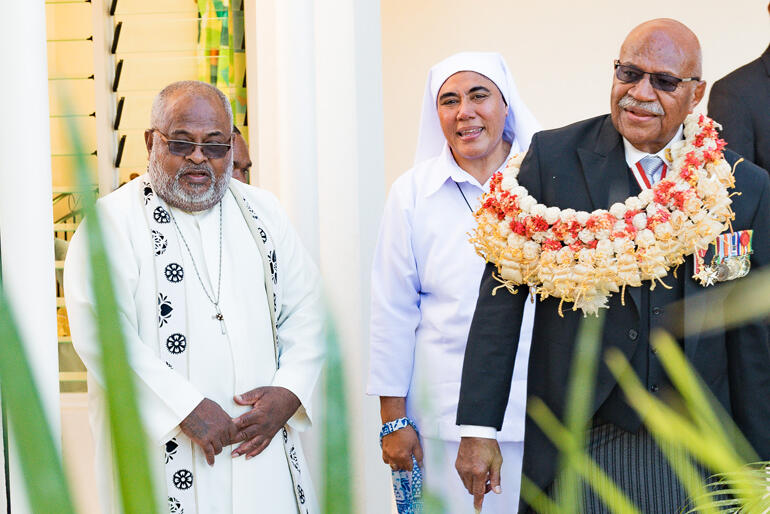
column 221, row 318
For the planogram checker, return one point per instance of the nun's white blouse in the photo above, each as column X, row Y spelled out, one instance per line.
column 425, row 281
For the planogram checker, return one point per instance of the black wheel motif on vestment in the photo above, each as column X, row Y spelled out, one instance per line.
column 161, row 215
column 301, row 494
column 176, row 343
column 174, row 272
column 183, row 479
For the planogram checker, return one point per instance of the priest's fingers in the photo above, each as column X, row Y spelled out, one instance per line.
column 217, row 446
column 208, row 450
column 252, row 447
column 256, row 451
column 254, row 417
column 249, row 397
column 246, row 433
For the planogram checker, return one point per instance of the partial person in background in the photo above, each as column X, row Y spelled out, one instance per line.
column 425, row 275
column 740, row 102
column 241, row 159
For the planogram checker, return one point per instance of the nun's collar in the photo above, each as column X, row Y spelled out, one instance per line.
column 445, row 168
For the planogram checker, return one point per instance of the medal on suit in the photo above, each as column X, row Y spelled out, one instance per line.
column 730, row 258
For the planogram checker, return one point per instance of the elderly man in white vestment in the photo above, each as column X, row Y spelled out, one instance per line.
column 220, row 306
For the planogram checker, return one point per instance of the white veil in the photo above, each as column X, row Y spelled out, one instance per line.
column 520, row 124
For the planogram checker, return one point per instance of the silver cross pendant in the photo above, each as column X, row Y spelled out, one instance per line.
column 221, row 318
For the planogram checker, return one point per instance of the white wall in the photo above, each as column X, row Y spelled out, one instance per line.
column 560, row 51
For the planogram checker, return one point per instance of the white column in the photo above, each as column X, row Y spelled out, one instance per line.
column 351, row 191
column 26, row 213
column 316, row 136
column 280, row 67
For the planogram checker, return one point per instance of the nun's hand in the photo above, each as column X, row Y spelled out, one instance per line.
column 398, row 448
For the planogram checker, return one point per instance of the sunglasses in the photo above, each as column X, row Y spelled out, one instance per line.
column 185, row 148
column 662, row 81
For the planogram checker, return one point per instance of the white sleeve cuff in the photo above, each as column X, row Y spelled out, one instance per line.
column 478, row 431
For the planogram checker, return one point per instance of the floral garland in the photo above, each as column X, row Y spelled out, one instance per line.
column 584, row 257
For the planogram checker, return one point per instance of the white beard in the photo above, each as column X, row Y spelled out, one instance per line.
column 168, row 187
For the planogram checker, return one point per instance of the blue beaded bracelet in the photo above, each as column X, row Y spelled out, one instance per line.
column 397, row 424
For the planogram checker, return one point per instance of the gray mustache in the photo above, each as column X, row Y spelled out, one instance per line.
column 653, row 107
column 196, row 168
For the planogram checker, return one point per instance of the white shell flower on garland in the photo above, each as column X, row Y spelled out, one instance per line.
column 584, row 257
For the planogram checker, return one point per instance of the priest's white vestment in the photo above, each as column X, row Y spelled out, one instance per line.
column 220, row 365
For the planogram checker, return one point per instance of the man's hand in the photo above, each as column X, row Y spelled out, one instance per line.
column 398, row 448
column 209, row 427
column 478, row 463
column 271, row 409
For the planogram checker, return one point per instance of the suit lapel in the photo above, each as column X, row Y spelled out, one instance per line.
column 606, row 174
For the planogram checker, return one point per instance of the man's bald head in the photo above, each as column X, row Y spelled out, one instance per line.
column 664, row 36
column 648, row 115
column 180, row 91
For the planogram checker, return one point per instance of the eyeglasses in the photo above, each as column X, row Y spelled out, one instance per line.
column 662, row 81
column 185, row 148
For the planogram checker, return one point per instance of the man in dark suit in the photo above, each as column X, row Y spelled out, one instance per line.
column 740, row 102
column 586, row 166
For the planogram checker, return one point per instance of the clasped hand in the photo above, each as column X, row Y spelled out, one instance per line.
column 210, row 427
column 398, row 448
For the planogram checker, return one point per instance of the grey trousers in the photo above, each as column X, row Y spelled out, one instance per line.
column 639, row 468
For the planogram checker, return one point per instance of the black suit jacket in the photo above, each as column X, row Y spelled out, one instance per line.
column 582, row 166
column 741, row 103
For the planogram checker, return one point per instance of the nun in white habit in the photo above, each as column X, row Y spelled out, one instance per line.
column 426, row 275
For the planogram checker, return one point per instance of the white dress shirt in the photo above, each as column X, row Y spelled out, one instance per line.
column 634, row 155
column 425, row 282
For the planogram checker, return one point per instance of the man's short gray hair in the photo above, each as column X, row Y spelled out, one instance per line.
column 186, row 86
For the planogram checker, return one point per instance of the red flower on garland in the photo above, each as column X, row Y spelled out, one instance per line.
column 662, row 216
column 535, row 224
column 662, row 191
column 691, row 160
column 518, row 227
column 552, row 244
column 600, row 222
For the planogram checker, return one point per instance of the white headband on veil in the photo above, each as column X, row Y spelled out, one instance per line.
column 520, row 124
